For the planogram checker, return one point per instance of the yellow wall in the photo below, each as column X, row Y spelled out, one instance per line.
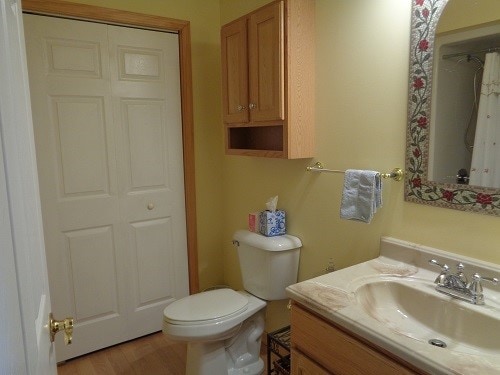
column 460, row 14
column 362, row 75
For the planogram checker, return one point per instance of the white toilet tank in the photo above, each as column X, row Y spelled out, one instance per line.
column 268, row 264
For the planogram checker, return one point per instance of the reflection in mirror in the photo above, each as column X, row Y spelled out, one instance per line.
column 453, row 150
column 464, row 86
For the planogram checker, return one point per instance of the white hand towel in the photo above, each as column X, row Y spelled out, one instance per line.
column 362, row 195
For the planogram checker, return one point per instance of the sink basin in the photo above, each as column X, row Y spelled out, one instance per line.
column 414, row 309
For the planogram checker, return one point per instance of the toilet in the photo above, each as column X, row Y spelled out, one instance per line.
column 223, row 327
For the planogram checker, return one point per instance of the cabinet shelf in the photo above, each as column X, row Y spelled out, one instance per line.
column 255, row 138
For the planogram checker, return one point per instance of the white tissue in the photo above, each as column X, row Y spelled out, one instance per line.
column 272, row 203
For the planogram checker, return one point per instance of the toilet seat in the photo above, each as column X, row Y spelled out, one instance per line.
column 206, row 307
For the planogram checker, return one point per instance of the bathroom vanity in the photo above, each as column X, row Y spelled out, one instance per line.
column 385, row 316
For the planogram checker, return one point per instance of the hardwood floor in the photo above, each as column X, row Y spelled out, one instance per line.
column 149, row 355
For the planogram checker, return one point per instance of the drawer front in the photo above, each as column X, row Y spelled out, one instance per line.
column 337, row 351
column 302, row 365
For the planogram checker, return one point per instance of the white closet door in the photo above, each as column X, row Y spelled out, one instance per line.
column 147, row 111
column 105, row 130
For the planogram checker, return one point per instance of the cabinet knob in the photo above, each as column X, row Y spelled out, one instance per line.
column 241, row 108
column 252, row 106
column 150, row 206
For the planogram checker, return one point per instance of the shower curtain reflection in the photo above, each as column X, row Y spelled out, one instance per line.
column 470, row 130
column 485, row 167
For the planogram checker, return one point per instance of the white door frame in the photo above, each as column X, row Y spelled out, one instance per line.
column 25, row 347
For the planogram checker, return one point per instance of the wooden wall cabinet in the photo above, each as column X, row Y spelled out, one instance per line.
column 268, row 81
column 320, row 347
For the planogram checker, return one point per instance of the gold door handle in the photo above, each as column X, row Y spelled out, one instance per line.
column 59, row 325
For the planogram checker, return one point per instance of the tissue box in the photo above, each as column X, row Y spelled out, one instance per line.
column 272, row 223
column 253, row 222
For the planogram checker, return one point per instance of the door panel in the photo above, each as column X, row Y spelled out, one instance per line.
column 153, row 278
column 74, row 58
column 107, row 123
column 146, row 99
column 94, row 280
column 143, row 125
column 81, row 134
column 70, row 204
column 140, row 64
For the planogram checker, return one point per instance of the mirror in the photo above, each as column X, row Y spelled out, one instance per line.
column 450, row 42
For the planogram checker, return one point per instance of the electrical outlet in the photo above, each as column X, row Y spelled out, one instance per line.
column 330, row 267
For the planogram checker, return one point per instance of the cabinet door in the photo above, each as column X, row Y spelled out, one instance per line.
column 266, row 71
column 302, row 365
column 235, row 72
column 338, row 351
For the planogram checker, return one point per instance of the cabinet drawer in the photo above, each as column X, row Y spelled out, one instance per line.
column 336, row 350
column 302, row 365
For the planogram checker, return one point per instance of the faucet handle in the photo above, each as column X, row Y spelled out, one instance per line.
column 475, row 286
column 444, row 271
column 434, row 262
column 493, row 280
column 460, row 272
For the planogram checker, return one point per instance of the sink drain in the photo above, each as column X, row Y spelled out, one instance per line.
column 438, row 343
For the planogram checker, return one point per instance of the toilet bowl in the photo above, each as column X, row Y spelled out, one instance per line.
column 223, row 327
column 209, row 315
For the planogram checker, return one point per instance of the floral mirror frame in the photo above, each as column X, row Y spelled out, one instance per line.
column 418, row 189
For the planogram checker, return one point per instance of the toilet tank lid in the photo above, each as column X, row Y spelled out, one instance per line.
column 276, row 243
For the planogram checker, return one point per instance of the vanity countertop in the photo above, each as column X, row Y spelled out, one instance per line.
column 333, row 297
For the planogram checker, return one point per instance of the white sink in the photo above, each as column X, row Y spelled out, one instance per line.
column 413, row 308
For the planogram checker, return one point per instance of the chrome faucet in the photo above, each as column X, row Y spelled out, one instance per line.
column 457, row 285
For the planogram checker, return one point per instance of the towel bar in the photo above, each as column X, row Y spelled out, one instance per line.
column 396, row 174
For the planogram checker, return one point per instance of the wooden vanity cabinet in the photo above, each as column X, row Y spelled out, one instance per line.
column 268, row 81
column 321, row 347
